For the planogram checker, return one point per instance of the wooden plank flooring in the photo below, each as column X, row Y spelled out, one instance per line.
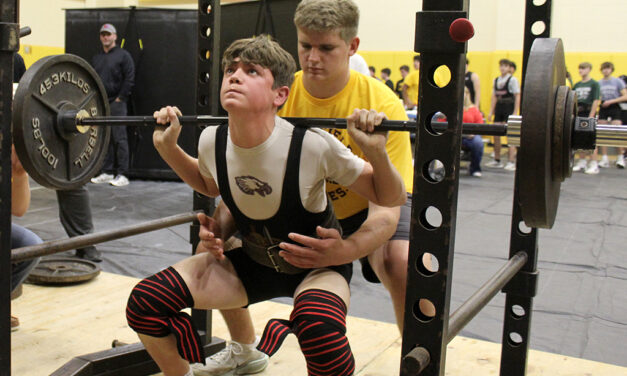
column 58, row 323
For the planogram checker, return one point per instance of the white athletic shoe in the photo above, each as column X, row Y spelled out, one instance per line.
column 477, row 174
column 593, row 168
column 234, row 359
column 119, row 181
column 605, row 163
column 494, row 164
column 580, row 165
column 102, row 178
column 510, row 166
column 620, row 161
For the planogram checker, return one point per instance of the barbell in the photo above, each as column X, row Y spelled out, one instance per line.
column 62, row 127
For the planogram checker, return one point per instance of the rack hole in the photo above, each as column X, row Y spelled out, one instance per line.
column 539, row 2
column 424, row 310
column 523, row 228
column 538, row 27
column 206, row 31
column 206, row 8
column 203, row 100
column 205, row 54
column 434, row 171
column 440, row 76
column 428, row 264
column 517, row 311
column 434, row 123
column 204, row 77
column 431, row 218
column 514, row 339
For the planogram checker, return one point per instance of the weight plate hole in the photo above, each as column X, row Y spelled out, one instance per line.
column 424, row 310
column 431, row 218
column 428, row 264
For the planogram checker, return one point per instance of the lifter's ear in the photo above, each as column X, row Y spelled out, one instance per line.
column 353, row 46
column 281, row 94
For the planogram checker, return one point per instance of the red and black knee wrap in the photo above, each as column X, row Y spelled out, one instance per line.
column 154, row 309
column 319, row 322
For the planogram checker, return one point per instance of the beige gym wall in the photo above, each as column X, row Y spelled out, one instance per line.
column 389, row 25
column 591, row 31
column 584, row 25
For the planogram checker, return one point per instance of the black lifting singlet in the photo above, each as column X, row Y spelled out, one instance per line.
column 260, row 238
column 503, row 95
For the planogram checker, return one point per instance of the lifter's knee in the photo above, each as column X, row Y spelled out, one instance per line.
column 319, row 322
column 319, row 319
column 154, row 309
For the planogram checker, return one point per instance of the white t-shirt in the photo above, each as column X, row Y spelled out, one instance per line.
column 256, row 174
column 512, row 86
column 357, row 63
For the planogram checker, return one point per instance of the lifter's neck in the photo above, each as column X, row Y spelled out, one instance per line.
column 250, row 130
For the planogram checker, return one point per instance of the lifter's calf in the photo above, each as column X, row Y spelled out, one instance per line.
column 389, row 262
column 164, row 352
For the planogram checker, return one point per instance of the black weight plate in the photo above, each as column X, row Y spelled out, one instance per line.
column 54, row 157
column 558, row 167
column 568, row 153
column 52, row 271
column 539, row 188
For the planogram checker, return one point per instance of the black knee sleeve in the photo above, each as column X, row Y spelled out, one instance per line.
column 154, row 309
column 319, row 322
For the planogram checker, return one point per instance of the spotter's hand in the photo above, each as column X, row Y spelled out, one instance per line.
column 327, row 250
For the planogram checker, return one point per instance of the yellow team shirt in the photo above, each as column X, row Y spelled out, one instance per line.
column 441, row 78
column 360, row 92
column 412, row 80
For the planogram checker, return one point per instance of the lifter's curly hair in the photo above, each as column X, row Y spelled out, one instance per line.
column 264, row 51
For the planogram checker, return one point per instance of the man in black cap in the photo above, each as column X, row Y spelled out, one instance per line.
column 117, row 71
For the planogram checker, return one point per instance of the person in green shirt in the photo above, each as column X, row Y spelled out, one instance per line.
column 588, row 98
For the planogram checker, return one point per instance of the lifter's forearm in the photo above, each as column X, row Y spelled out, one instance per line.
column 378, row 227
column 388, row 185
column 186, row 167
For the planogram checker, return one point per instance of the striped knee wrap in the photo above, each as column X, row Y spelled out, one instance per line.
column 154, row 309
column 319, row 322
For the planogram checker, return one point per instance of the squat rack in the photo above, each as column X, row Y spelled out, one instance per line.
column 425, row 337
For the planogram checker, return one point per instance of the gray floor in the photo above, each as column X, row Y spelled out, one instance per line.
column 581, row 307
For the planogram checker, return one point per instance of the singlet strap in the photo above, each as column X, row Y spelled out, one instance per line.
column 506, row 87
column 290, row 194
column 223, row 173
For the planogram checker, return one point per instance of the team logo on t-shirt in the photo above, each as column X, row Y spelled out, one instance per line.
column 250, row 184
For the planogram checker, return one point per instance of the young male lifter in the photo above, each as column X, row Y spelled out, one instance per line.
column 326, row 87
column 271, row 175
column 505, row 102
